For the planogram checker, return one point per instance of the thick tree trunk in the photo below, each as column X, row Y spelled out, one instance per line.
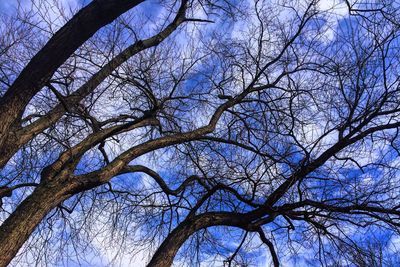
column 165, row 254
column 10, row 141
column 7, row 150
column 17, row 228
column 57, row 50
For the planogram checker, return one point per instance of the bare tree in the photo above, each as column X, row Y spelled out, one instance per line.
column 182, row 130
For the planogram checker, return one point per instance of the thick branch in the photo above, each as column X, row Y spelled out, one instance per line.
column 27, row 133
column 57, row 50
column 166, row 252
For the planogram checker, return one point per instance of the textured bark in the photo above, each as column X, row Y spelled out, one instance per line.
column 17, row 228
column 166, row 253
column 58, row 49
column 21, row 136
column 9, row 147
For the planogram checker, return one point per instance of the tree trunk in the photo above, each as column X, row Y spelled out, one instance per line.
column 17, row 228
column 165, row 254
column 56, row 51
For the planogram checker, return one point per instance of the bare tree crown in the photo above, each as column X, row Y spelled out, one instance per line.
column 200, row 132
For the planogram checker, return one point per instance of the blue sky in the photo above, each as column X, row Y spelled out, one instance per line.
column 352, row 173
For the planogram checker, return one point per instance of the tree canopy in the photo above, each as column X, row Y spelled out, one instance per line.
column 199, row 132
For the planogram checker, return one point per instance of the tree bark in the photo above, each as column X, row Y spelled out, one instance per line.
column 12, row 142
column 165, row 254
column 57, row 50
column 17, row 228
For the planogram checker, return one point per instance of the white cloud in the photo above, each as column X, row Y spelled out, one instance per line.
column 335, row 11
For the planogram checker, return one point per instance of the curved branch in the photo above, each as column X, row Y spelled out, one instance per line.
column 166, row 252
column 160, row 181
